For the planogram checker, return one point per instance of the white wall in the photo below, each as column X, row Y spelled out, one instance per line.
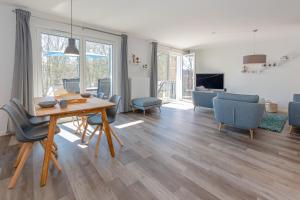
column 277, row 84
column 7, row 51
column 139, row 47
column 142, row 49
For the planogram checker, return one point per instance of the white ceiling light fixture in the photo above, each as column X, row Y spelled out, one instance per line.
column 254, row 58
column 71, row 49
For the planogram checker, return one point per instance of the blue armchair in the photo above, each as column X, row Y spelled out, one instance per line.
column 241, row 111
column 203, row 98
column 294, row 112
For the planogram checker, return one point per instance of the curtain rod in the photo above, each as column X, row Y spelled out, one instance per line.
column 169, row 47
column 78, row 26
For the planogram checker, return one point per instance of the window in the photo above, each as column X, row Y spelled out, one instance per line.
column 98, row 65
column 74, row 73
column 55, row 65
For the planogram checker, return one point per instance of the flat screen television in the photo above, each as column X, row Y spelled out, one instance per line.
column 210, row 81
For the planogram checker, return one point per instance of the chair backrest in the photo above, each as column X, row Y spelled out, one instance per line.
column 100, row 95
column 112, row 112
column 18, row 105
column 72, row 85
column 104, row 87
column 20, row 122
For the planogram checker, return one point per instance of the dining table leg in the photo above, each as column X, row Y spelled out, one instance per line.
column 48, row 149
column 107, row 132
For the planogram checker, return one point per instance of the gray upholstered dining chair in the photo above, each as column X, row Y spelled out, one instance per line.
column 104, row 88
column 27, row 134
column 32, row 119
column 72, row 85
column 96, row 120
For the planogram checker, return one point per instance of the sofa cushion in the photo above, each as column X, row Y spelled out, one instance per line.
column 238, row 97
column 146, row 101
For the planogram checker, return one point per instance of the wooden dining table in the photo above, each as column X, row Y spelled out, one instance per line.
column 92, row 105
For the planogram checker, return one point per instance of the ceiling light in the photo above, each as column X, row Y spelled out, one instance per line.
column 71, row 49
column 254, row 58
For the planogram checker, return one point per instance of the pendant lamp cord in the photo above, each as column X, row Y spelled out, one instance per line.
column 71, row 18
column 254, row 38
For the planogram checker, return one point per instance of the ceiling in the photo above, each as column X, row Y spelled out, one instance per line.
column 181, row 23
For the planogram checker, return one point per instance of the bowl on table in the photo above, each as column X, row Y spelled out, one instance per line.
column 86, row 95
column 47, row 103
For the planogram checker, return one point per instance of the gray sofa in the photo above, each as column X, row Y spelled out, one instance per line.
column 237, row 110
column 294, row 112
column 203, row 98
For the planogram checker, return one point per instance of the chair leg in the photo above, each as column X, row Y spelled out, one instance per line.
column 84, row 133
column 220, row 126
column 98, row 141
column 20, row 154
column 53, row 157
column 251, row 134
column 27, row 152
column 80, row 125
column 291, row 130
column 117, row 137
column 56, row 163
column 55, row 146
column 91, row 136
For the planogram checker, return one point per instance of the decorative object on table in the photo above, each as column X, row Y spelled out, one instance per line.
column 73, row 99
column 60, row 92
column 271, row 107
column 47, row 102
column 63, row 103
column 86, row 95
column 71, row 49
column 273, row 122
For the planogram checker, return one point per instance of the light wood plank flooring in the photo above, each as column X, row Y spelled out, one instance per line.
column 178, row 154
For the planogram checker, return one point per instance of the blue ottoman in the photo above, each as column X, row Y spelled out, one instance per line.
column 146, row 103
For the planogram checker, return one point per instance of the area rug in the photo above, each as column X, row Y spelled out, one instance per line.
column 273, row 122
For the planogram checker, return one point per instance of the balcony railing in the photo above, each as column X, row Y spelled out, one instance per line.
column 166, row 90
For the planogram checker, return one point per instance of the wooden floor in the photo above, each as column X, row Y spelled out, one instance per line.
column 178, row 154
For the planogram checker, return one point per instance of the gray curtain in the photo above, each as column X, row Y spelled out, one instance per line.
column 22, row 86
column 125, row 88
column 153, row 78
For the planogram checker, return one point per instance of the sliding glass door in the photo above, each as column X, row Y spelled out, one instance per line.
column 188, row 75
column 72, row 73
column 98, row 66
column 167, row 75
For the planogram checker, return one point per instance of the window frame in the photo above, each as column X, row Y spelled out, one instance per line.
column 101, row 41
column 172, row 52
column 37, row 47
